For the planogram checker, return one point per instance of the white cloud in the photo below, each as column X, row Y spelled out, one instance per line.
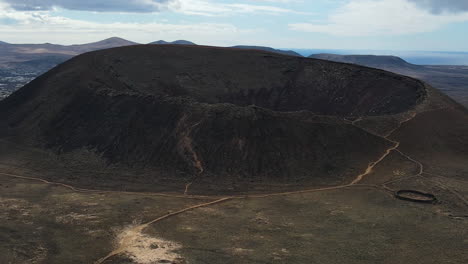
column 211, row 8
column 40, row 26
column 380, row 17
column 190, row 7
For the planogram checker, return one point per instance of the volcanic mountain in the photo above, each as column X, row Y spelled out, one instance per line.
column 152, row 117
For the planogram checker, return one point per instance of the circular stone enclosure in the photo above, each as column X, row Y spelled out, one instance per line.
column 415, row 196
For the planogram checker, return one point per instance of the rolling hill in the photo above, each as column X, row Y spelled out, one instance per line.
column 176, row 42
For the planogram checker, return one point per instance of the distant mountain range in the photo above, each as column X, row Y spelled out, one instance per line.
column 16, row 54
column 177, row 42
column 33, row 49
column 452, row 80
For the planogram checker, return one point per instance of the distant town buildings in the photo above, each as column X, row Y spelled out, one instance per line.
column 12, row 80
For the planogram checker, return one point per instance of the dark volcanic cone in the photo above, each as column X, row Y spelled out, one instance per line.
column 226, row 117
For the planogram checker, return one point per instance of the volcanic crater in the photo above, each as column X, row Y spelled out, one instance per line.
column 220, row 118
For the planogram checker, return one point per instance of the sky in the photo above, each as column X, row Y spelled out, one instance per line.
column 416, row 25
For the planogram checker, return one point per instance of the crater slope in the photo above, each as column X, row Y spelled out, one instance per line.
column 162, row 117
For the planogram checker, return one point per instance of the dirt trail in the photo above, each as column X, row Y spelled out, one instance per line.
column 413, row 115
column 83, row 190
column 421, row 173
column 443, row 186
column 201, row 169
column 355, row 181
column 375, row 163
column 395, row 147
column 196, row 162
column 127, row 241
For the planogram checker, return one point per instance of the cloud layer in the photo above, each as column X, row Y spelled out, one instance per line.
column 90, row 5
column 439, row 6
column 189, row 7
column 380, row 18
